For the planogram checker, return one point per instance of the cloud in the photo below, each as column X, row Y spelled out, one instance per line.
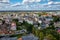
column 32, row 6
column 30, row 1
column 16, row 4
column 57, row 3
column 5, row 1
column 4, row 4
column 50, row 2
column 53, row 2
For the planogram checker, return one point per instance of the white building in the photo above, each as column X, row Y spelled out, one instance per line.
column 30, row 21
column 40, row 21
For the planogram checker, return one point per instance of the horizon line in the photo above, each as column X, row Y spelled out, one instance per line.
column 29, row 10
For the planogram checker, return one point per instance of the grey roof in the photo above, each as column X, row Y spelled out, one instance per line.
column 8, row 38
column 29, row 37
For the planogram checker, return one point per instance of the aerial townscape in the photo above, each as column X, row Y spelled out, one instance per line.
column 29, row 25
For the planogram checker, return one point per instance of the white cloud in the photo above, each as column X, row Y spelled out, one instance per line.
column 5, row 1
column 16, row 4
column 4, row 4
column 30, row 1
column 50, row 2
column 57, row 3
column 37, row 0
column 32, row 6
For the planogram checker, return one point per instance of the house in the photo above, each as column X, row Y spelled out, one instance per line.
column 30, row 21
column 19, row 38
column 44, row 25
column 7, row 20
column 13, row 26
column 35, row 23
column 20, row 31
column 39, row 28
column 29, row 37
column 0, row 22
column 58, row 31
column 57, row 24
column 48, row 18
column 8, row 38
column 21, row 20
column 35, row 15
column 40, row 21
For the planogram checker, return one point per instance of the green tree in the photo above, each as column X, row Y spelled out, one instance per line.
column 28, row 26
column 50, row 37
column 41, row 36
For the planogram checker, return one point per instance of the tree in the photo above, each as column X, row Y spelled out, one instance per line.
column 51, row 25
column 56, row 18
column 50, row 37
column 28, row 26
column 44, row 13
column 41, row 36
column 15, row 20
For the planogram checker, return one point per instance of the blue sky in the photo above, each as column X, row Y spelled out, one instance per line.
column 30, row 5
column 15, row 1
column 41, row 2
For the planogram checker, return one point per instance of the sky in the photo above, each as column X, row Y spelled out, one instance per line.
column 29, row 4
